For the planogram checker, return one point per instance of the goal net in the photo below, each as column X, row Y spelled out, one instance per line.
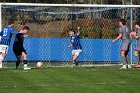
column 50, row 23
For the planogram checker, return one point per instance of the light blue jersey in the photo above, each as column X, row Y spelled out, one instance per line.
column 6, row 35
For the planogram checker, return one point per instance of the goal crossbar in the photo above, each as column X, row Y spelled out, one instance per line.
column 71, row 5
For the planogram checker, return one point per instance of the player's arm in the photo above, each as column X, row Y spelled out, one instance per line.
column 14, row 32
column 78, row 33
column 131, row 34
column 135, row 35
column 117, row 38
column 70, row 46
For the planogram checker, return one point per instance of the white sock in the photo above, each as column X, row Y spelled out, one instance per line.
column 0, row 64
column 25, row 65
column 1, row 59
column 124, row 66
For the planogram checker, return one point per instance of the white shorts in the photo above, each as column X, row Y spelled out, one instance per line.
column 76, row 52
column 4, row 49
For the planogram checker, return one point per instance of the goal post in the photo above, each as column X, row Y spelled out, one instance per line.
column 50, row 23
column 72, row 5
column 0, row 17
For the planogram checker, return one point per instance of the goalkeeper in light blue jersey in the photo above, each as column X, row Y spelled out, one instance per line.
column 6, row 35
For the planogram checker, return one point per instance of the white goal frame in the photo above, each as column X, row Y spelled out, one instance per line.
column 72, row 5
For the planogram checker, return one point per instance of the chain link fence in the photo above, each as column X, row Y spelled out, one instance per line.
column 48, row 38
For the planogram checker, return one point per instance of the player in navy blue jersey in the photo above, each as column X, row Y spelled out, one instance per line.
column 75, row 44
column 18, row 47
column 6, row 35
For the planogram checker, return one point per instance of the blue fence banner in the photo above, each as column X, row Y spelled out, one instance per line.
column 56, row 50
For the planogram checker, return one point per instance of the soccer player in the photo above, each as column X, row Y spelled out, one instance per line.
column 75, row 43
column 136, row 34
column 124, row 34
column 6, row 35
column 18, row 48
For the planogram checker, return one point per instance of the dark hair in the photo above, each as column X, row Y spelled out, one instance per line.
column 123, row 21
column 137, row 23
column 26, row 27
column 9, row 22
column 71, row 30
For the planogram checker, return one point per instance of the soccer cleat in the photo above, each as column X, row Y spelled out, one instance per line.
column 137, row 66
column 27, row 68
column 124, row 67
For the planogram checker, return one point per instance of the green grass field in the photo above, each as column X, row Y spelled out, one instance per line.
column 70, row 80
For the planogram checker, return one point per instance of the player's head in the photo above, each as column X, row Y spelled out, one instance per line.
column 10, row 22
column 137, row 25
column 71, row 32
column 25, row 29
column 122, row 22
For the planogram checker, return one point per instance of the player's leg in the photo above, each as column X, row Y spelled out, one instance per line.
column 128, row 59
column 24, row 54
column 75, row 56
column 1, row 59
column 124, row 59
column 137, row 56
column 3, row 52
column 127, row 56
column 18, row 61
column 18, row 54
column 124, row 53
column 73, row 53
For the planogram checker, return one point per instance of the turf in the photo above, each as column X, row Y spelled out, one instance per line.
column 70, row 80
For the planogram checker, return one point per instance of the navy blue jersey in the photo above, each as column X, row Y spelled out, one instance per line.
column 19, row 39
column 75, row 41
column 6, row 35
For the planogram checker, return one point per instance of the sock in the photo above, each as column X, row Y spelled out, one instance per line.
column 128, row 60
column 124, row 60
column 1, row 59
column 18, row 61
column 73, row 62
column 138, row 58
column 76, row 63
column 25, row 63
column 0, row 64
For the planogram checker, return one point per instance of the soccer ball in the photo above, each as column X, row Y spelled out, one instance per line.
column 39, row 64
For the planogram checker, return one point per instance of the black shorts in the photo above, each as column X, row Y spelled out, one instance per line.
column 18, row 50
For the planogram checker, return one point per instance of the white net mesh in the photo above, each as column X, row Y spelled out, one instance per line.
column 48, row 38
